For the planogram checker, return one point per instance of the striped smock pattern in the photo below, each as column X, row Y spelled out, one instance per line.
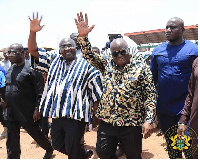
column 70, row 90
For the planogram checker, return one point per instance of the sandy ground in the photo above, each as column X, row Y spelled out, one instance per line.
column 153, row 147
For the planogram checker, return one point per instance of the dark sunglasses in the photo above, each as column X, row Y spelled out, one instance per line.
column 116, row 53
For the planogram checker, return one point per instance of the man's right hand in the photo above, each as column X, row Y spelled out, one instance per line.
column 35, row 23
column 181, row 129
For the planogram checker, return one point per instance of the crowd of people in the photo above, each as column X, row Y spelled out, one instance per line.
column 119, row 90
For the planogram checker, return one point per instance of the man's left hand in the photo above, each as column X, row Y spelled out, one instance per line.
column 82, row 25
column 147, row 129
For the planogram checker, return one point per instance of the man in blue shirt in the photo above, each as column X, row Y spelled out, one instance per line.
column 171, row 66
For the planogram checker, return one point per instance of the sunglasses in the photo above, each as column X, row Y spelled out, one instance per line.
column 116, row 53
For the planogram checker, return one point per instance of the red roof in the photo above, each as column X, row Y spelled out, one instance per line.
column 158, row 35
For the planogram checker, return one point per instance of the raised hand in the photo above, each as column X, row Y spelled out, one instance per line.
column 35, row 23
column 82, row 25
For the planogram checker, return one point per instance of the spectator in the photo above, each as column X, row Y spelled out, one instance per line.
column 127, row 106
column 5, row 63
column 171, row 66
column 24, row 87
column 96, row 50
column 102, row 50
column 27, row 56
column 147, row 57
column 190, row 111
column 78, row 47
column 2, row 93
column 71, row 85
column 3, row 70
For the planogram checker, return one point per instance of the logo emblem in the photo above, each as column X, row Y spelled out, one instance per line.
column 180, row 142
column 177, row 143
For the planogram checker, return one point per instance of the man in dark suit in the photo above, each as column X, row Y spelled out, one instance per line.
column 24, row 87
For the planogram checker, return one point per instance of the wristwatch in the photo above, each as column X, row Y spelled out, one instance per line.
column 180, row 123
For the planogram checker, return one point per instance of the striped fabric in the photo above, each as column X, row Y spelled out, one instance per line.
column 70, row 89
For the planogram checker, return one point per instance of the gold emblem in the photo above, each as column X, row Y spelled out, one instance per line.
column 180, row 142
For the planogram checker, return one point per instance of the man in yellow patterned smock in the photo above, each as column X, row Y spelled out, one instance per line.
column 127, row 107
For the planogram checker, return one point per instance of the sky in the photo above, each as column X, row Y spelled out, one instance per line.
column 108, row 16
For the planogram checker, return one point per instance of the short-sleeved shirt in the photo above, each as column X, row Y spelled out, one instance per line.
column 70, row 88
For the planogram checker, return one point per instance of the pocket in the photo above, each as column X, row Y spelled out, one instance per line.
column 162, row 60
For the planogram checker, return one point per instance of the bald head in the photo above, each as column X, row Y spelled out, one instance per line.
column 16, row 54
column 174, row 31
column 179, row 20
column 64, row 40
column 120, row 52
column 17, row 47
column 67, row 48
column 118, row 44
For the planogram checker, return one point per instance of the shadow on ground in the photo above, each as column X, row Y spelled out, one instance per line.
column 147, row 154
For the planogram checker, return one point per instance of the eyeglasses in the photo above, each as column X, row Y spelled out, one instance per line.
column 12, row 52
column 116, row 53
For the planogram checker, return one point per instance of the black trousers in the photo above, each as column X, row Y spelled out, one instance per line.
column 44, row 124
column 13, row 138
column 66, row 135
column 108, row 137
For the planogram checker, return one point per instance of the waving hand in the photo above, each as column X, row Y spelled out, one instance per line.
column 82, row 25
column 35, row 23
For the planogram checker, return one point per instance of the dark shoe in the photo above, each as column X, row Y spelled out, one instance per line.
column 88, row 154
column 119, row 152
column 48, row 154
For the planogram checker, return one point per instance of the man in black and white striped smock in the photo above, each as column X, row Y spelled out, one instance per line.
column 72, row 85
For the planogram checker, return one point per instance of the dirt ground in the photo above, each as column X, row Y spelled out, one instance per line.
column 153, row 147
